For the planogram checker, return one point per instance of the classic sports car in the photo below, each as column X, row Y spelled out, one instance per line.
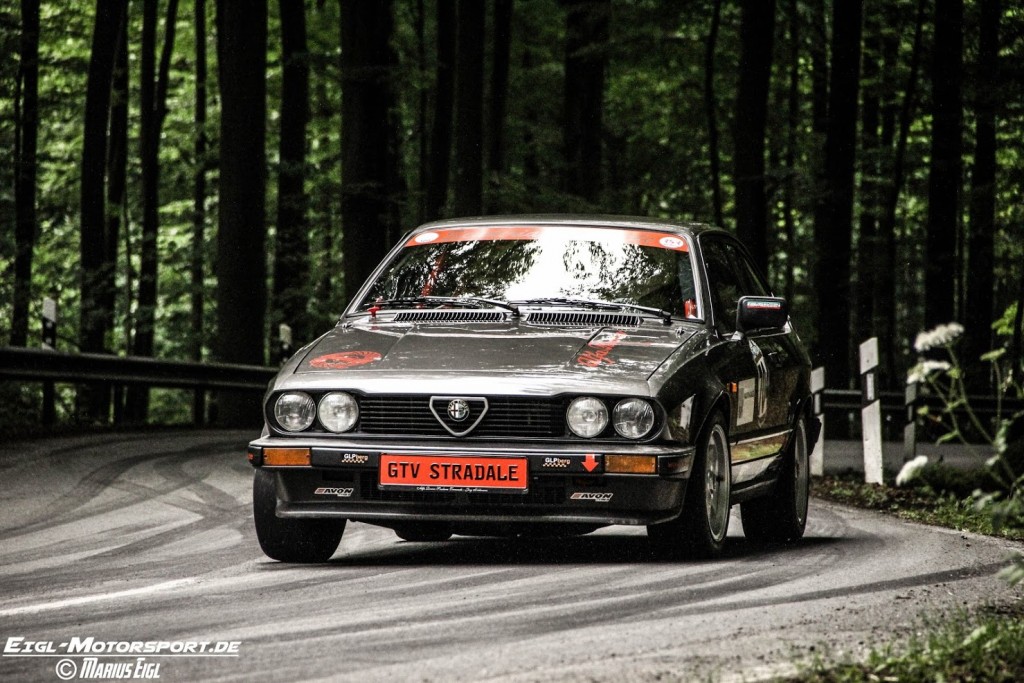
column 544, row 374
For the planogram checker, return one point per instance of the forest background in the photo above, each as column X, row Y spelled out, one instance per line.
column 182, row 176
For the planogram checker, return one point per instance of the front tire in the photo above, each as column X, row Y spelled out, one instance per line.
column 782, row 516
column 700, row 531
column 290, row 540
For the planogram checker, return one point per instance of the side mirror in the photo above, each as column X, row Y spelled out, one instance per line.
column 761, row 312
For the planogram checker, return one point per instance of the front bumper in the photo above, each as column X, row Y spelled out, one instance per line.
column 565, row 484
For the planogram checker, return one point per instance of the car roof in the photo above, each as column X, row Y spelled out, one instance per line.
column 577, row 220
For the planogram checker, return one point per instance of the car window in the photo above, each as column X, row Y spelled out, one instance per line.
column 528, row 263
column 730, row 276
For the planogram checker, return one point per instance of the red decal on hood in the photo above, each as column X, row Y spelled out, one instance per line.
column 345, row 359
column 599, row 348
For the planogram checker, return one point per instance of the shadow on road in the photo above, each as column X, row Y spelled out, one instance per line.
column 604, row 549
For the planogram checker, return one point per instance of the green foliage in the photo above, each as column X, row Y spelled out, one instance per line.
column 987, row 646
column 1001, row 495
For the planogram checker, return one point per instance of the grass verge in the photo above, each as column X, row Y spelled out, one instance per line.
column 985, row 646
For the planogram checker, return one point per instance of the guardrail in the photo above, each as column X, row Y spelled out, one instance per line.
column 56, row 367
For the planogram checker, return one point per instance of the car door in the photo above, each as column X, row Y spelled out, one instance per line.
column 748, row 365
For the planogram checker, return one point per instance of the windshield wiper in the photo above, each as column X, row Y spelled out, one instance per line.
column 410, row 301
column 665, row 316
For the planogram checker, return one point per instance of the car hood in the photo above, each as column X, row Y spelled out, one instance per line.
column 545, row 356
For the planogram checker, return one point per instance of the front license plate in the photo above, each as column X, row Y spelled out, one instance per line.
column 453, row 473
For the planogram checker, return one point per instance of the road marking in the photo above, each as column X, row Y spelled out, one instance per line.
column 87, row 599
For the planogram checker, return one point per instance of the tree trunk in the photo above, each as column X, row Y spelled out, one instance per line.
column 152, row 109
column 980, row 283
column 117, row 180
column 25, row 143
column 441, row 128
column 946, row 164
column 757, row 34
column 833, row 235
column 291, row 256
column 467, row 186
column 498, row 100
column 586, row 38
column 711, row 113
column 867, row 243
column 792, row 129
column 92, row 334
column 368, row 161
column 886, row 286
column 197, row 260
column 241, row 237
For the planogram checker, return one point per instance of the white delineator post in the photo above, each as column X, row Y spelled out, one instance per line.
column 818, row 454
column 871, row 412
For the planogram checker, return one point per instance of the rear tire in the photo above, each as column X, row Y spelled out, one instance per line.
column 424, row 532
column 782, row 516
column 290, row 540
column 700, row 531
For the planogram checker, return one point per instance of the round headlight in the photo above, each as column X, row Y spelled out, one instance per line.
column 294, row 411
column 587, row 417
column 338, row 412
column 633, row 418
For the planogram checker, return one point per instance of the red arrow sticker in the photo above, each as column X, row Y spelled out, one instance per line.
column 343, row 360
column 590, row 462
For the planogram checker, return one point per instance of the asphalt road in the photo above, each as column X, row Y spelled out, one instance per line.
column 148, row 537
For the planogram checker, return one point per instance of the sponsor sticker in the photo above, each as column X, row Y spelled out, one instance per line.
column 497, row 233
column 344, row 359
column 345, row 492
column 597, row 497
column 557, row 463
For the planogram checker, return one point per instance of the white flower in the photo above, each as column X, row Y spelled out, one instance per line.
column 911, row 470
column 943, row 335
column 922, row 370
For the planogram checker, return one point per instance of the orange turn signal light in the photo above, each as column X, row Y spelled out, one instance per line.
column 286, row 457
column 631, row 464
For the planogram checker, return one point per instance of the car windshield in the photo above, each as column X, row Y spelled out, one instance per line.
column 545, row 265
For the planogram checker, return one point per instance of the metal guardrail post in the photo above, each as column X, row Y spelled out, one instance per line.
column 910, row 427
column 50, row 344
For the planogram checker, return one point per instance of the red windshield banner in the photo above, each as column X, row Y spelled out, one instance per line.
column 494, row 233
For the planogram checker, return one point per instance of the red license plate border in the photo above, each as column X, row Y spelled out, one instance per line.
column 386, row 482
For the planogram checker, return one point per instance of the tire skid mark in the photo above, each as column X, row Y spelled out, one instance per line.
column 96, row 482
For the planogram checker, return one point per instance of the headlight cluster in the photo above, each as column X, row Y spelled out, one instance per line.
column 633, row 418
column 295, row 411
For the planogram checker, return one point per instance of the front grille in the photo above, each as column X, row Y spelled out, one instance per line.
column 585, row 319
column 506, row 417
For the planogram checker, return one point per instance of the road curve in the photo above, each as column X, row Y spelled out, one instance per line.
column 148, row 537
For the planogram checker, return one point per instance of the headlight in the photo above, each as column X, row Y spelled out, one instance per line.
column 294, row 411
column 587, row 417
column 633, row 418
column 338, row 412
